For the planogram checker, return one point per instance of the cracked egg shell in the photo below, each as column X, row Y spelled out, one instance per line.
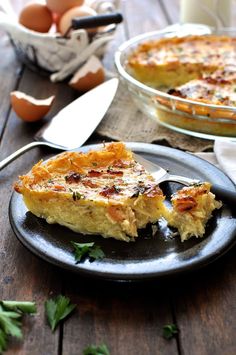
column 89, row 75
column 28, row 108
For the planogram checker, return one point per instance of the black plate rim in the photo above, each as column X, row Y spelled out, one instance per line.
column 197, row 263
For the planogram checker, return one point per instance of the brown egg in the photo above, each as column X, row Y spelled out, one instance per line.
column 61, row 6
column 88, row 76
column 28, row 108
column 79, row 11
column 36, row 17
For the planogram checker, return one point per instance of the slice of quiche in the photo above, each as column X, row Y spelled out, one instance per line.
column 102, row 192
column 192, row 207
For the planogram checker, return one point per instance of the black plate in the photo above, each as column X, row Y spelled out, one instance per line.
column 148, row 257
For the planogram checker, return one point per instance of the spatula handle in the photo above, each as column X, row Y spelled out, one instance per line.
column 95, row 21
column 19, row 152
column 225, row 195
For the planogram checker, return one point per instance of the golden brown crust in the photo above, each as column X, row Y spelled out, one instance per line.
column 100, row 192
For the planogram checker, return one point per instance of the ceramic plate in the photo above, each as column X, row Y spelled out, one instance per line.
column 151, row 256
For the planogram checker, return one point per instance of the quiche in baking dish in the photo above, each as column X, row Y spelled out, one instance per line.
column 198, row 68
column 170, row 62
column 107, row 192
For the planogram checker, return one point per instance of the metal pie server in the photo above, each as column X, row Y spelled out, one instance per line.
column 161, row 175
column 73, row 125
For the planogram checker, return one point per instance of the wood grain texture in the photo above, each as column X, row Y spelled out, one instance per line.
column 129, row 321
column 23, row 276
column 10, row 70
column 171, row 10
column 205, row 309
column 128, row 318
column 143, row 16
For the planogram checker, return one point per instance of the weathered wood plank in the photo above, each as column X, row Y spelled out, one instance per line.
column 144, row 16
column 129, row 321
column 23, row 276
column 205, row 309
column 9, row 71
column 171, row 10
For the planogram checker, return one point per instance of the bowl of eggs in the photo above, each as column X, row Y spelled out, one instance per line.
column 58, row 37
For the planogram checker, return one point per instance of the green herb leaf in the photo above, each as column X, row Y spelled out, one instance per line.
column 96, row 253
column 96, row 350
column 57, row 309
column 3, row 341
column 169, row 331
column 10, row 323
column 24, row 307
column 87, row 249
column 10, row 319
column 77, row 196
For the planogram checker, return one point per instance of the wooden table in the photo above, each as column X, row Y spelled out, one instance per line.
column 128, row 318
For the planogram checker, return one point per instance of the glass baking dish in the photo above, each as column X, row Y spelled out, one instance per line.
column 179, row 114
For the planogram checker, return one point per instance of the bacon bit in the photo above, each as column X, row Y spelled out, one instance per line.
column 59, row 188
column 176, row 93
column 185, row 204
column 217, row 80
column 115, row 172
column 115, row 213
column 108, row 191
column 121, row 164
column 73, row 178
column 153, row 191
column 89, row 183
column 94, row 173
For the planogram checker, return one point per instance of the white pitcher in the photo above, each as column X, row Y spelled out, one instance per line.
column 216, row 13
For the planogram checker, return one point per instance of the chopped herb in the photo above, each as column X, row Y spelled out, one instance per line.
column 11, row 313
column 50, row 181
column 169, row 331
column 96, row 350
column 109, row 168
column 91, row 250
column 196, row 184
column 23, row 307
column 57, row 309
column 76, row 195
column 94, row 164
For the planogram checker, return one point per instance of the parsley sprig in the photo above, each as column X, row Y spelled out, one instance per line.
column 169, row 331
column 57, row 309
column 82, row 250
column 96, row 350
column 11, row 313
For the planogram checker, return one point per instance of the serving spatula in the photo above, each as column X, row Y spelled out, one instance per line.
column 74, row 124
column 161, row 175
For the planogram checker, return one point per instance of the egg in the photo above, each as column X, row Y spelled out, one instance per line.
column 61, row 6
column 79, row 11
column 28, row 108
column 89, row 75
column 36, row 17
